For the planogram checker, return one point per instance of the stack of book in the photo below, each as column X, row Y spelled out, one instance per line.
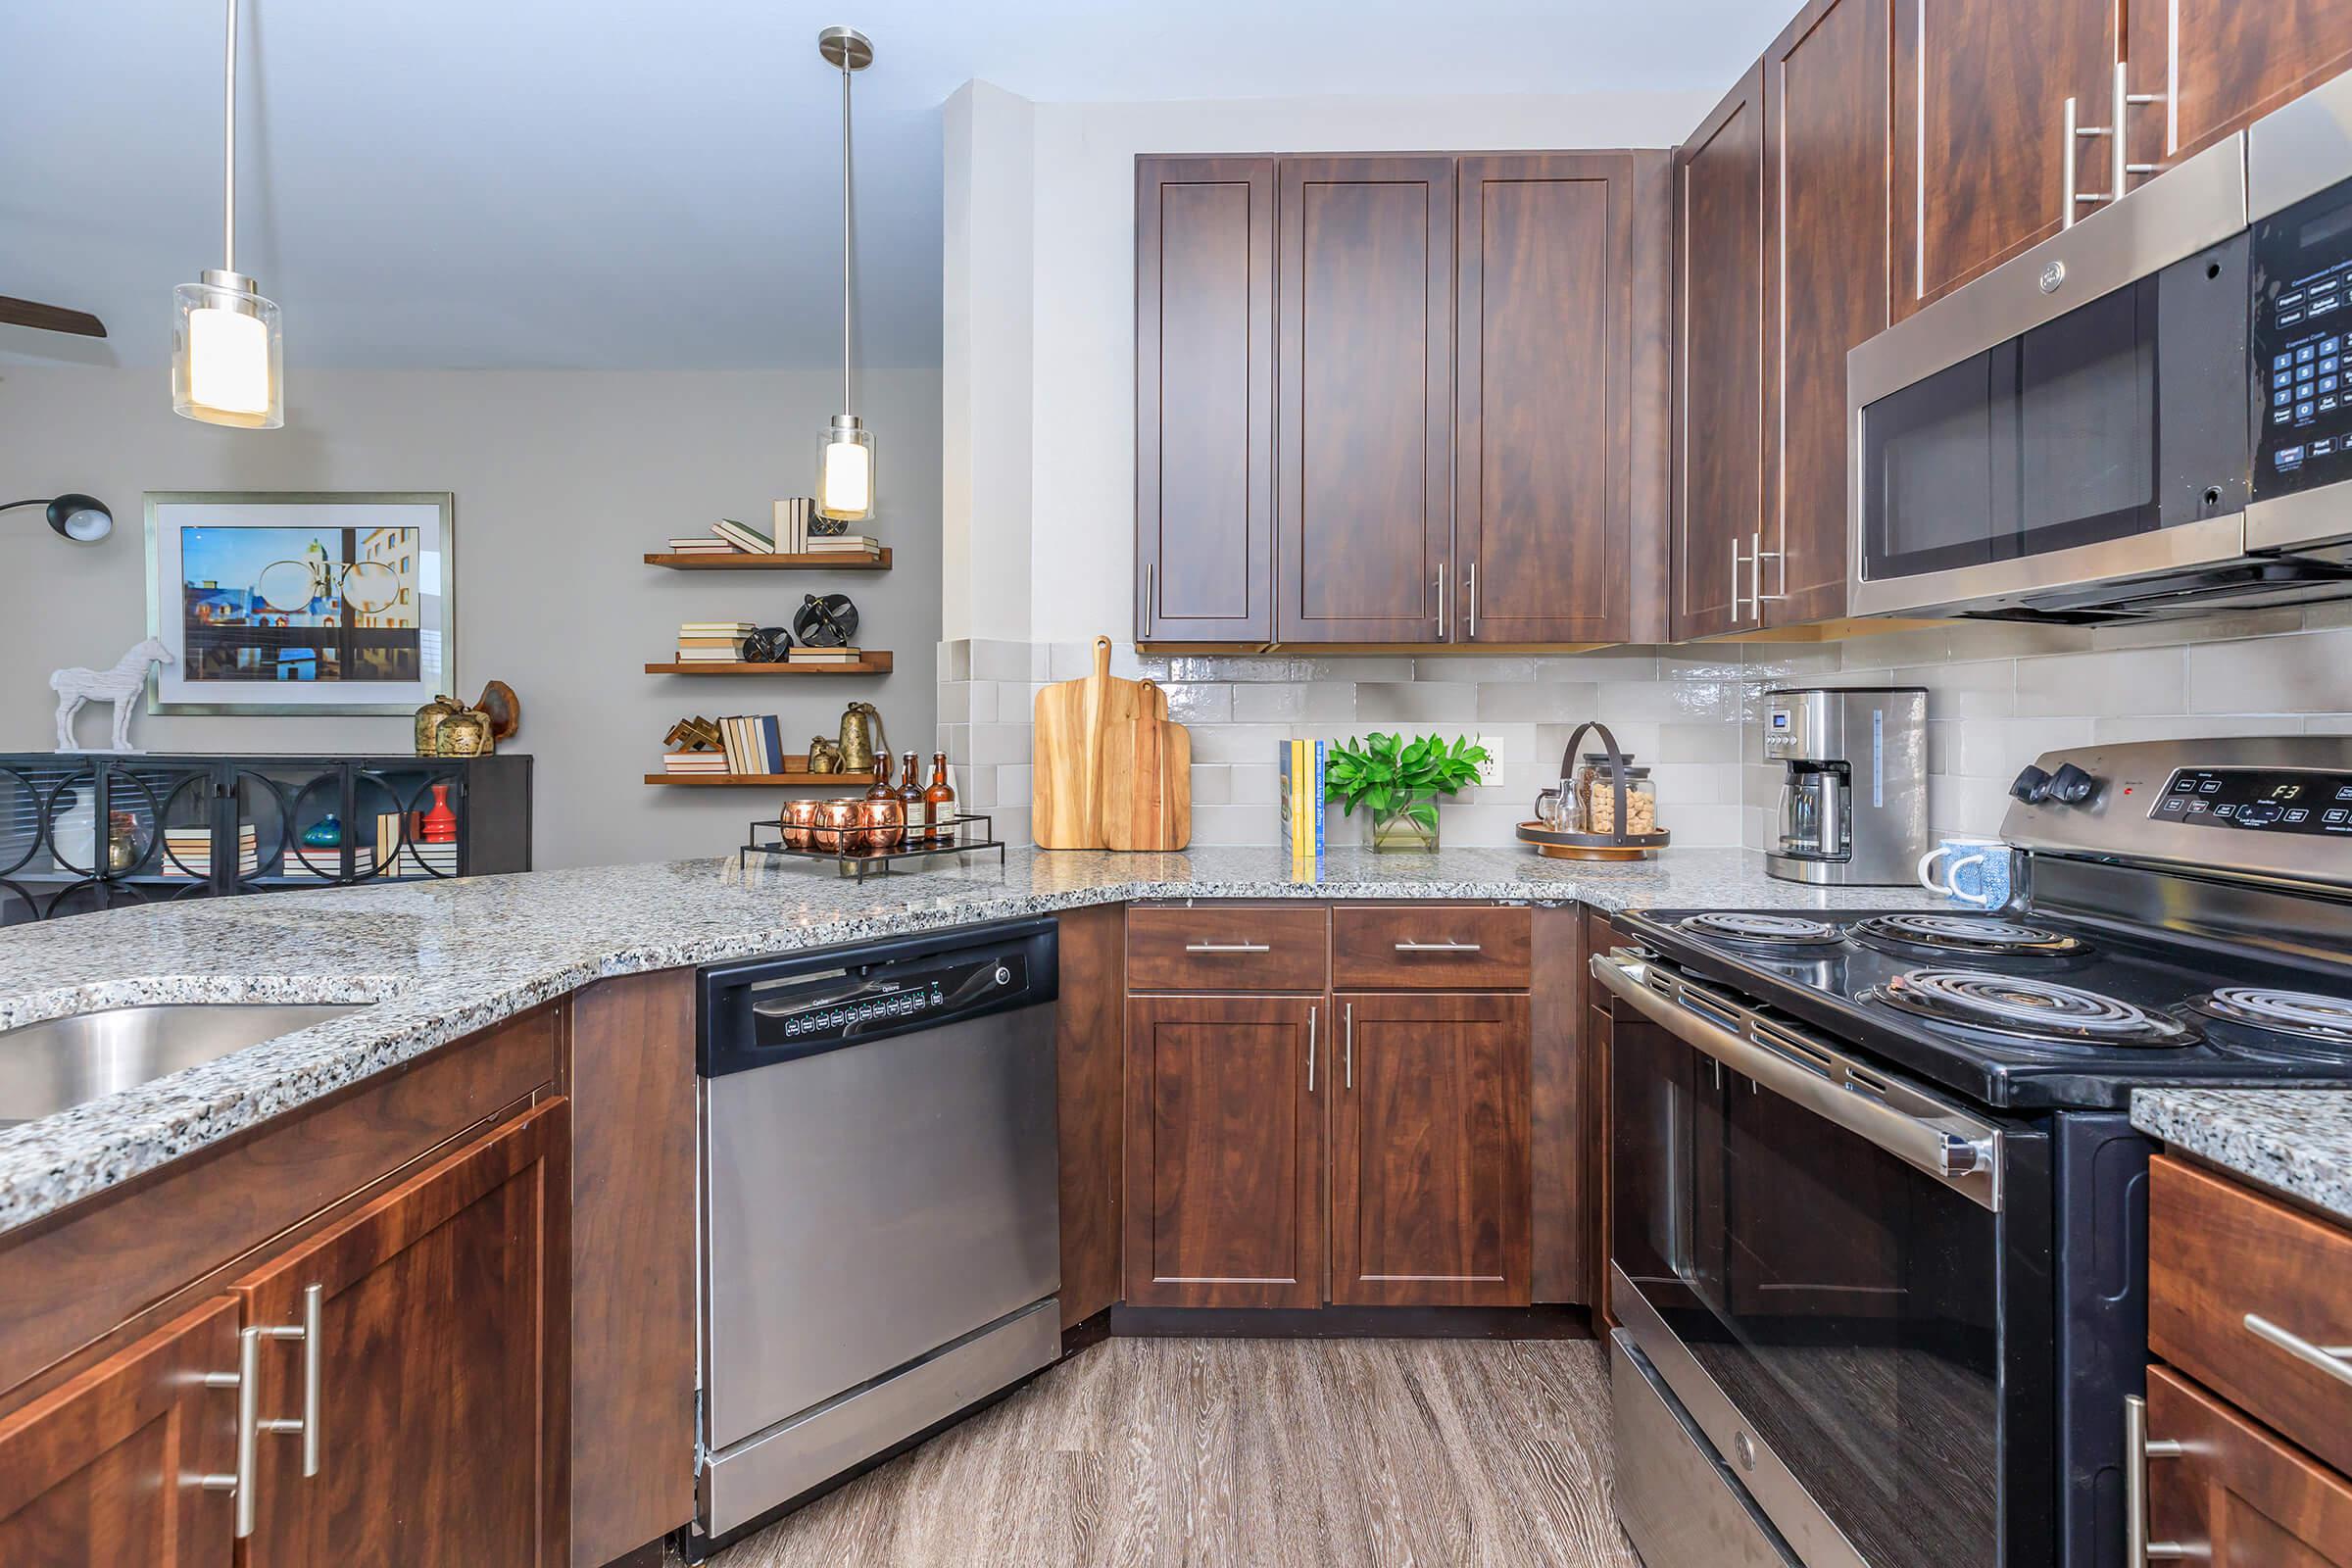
column 1302, row 768
column 711, row 642
column 189, row 851
column 707, row 545
column 744, row 537
column 754, row 743
column 825, row 656
column 416, row 858
column 856, row 546
column 694, row 763
column 310, row 863
column 794, row 514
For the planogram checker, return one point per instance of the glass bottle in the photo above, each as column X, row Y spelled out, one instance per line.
column 938, row 802
column 918, row 810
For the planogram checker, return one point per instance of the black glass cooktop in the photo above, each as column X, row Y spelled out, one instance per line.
column 2021, row 1012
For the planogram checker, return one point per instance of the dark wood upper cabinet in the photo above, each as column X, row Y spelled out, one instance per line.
column 1365, row 398
column 1429, row 1188
column 1828, row 284
column 1550, row 412
column 1719, row 365
column 1980, row 130
column 1204, row 399
column 1224, row 1158
column 107, row 1468
column 2212, row 65
column 444, row 1376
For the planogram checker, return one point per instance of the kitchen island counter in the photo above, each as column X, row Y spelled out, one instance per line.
column 441, row 960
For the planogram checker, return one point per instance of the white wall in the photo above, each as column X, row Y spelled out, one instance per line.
column 563, row 481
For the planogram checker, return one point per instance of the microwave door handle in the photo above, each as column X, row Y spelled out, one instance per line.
column 1964, row 1157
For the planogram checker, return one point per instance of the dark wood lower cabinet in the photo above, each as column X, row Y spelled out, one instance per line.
column 443, row 1368
column 108, row 1468
column 1430, row 1190
column 1224, row 1159
column 2238, row 1497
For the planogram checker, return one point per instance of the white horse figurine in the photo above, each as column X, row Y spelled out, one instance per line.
column 119, row 685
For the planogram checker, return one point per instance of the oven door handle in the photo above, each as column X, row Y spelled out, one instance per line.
column 1957, row 1151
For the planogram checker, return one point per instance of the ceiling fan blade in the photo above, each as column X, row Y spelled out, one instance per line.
column 49, row 318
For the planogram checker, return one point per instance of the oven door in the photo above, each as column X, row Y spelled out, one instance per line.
column 1843, row 1279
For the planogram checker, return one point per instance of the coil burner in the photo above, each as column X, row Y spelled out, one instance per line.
column 1973, row 936
column 2299, row 1024
column 2023, row 1007
column 1757, row 930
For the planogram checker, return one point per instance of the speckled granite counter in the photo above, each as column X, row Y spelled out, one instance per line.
column 440, row 960
column 2292, row 1141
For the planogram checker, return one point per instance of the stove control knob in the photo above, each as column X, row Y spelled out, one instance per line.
column 2033, row 786
column 2072, row 786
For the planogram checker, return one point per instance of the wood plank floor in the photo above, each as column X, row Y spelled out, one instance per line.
column 1275, row 1453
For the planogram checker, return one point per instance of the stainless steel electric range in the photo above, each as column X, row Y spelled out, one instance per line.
column 1879, row 1218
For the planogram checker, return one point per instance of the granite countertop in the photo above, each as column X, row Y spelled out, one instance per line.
column 438, row 961
column 2294, row 1140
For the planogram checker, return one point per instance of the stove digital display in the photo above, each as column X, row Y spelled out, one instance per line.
column 2266, row 800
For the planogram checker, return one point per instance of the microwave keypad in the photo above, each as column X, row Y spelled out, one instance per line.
column 2302, row 327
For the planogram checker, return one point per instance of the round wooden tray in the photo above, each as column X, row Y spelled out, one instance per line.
column 1590, row 846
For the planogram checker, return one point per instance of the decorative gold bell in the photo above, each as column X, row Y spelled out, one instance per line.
column 430, row 719
column 862, row 739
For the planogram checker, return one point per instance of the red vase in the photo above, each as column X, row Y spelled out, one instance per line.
column 440, row 823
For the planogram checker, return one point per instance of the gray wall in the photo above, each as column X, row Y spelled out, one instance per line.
column 563, row 481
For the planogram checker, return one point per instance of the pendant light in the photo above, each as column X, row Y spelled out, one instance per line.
column 845, row 453
column 226, row 354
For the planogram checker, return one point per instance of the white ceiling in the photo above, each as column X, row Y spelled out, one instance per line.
column 554, row 184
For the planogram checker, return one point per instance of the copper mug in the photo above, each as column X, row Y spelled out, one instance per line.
column 797, row 820
column 885, row 825
column 839, row 828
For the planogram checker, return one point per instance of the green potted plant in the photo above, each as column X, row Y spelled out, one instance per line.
column 1400, row 782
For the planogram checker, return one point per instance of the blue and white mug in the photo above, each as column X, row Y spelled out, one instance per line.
column 1981, row 876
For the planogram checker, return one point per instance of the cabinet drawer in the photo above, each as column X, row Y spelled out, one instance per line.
column 1430, row 947
column 2234, row 1279
column 1228, row 948
column 2235, row 1497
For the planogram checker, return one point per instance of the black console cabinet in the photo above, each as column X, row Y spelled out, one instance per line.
column 84, row 830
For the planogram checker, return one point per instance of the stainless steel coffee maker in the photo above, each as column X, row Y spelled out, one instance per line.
column 1853, row 808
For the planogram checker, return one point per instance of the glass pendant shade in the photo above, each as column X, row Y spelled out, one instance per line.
column 844, row 471
column 227, row 355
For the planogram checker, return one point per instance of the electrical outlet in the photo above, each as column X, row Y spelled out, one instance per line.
column 1490, row 772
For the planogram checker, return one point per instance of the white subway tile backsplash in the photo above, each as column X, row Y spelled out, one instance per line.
column 1471, row 671
column 2188, row 727
column 1238, row 742
column 1976, row 689
column 1200, row 704
column 1524, row 701
column 1288, row 702
column 1418, row 702
column 2309, row 674
column 1715, row 742
column 1998, row 748
column 2144, row 680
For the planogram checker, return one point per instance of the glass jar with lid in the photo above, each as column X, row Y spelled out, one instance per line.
column 1595, row 796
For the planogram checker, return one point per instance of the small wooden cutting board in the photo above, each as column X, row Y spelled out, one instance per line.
column 1109, row 769
column 1146, row 780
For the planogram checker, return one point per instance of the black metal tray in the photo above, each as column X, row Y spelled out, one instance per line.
column 862, row 864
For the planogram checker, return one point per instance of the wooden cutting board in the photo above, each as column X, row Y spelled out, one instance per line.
column 1105, row 746
column 1146, row 781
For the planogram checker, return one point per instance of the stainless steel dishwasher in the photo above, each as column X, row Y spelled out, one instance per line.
column 880, row 1226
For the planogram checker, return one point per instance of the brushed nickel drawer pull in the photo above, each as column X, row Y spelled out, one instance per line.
column 1351, row 1045
column 1310, row 1050
column 2138, row 1449
column 245, row 1379
column 1227, row 947
column 1440, row 946
column 2334, row 1359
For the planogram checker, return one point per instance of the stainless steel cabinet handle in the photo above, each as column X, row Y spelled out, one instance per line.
column 1440, row 601
column 2125, row 98
column 1350, row 1052
column 245, row 1379
column 1310, row 1050
column 2334, row 1359
column 2074, row 132
column 1738, row 561
column 1227, row 947
column 1474, row 601
column 1440, row 947
column 2138, row 1449
column 1151, row 594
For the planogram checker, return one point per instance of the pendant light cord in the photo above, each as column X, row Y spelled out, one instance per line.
column 228, row 147
column 848, row 404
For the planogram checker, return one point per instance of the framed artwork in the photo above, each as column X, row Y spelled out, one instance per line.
column 295, row 603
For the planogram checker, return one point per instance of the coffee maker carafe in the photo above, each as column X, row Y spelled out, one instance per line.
column 1853, row 806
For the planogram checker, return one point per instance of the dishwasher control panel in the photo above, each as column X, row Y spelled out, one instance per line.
column 799, row 1004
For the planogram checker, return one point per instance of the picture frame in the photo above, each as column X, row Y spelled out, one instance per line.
column 295, row 603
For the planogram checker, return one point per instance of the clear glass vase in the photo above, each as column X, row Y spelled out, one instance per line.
column 1410, row 823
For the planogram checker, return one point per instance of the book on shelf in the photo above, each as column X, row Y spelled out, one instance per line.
column 716, row 628
column 695, row 762
column 845, row 544
column 743, row 536
column 825, row 656
column 731, row 654
column 754, row 743
column 1302, row 765
column 702, row 546
column 395, row 859
column 189, row 851
column 793, row 514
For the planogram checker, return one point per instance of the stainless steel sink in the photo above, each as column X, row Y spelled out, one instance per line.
column 47, row 1066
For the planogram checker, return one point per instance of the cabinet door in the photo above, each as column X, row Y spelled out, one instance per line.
column 1548, row 406
column 1429, row 1181
column 2238, row 1497
column 1827, row 286
column 1224, row 1151
column 1204, row 399
column 108, row 1468
column 1719, row 365
column 443, row 1372
column 1980, row 130
column 1363, row 521
column 2212, row 66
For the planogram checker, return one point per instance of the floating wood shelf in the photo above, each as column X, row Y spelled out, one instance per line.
column 745, row 561
column 877, row 661
column 789, row 781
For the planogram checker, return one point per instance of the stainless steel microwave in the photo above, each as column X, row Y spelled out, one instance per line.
column 2148, row 413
